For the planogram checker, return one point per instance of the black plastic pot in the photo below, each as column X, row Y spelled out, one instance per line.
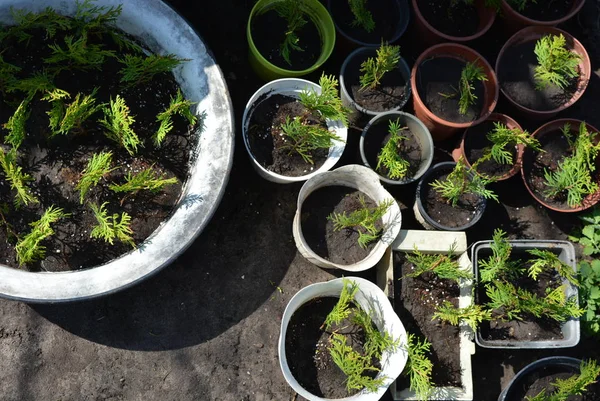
column 517, row 386
column 426, row 220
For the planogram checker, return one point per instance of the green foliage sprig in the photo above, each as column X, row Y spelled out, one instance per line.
column 472, row 315
column 117, row 122
column 7, row 73
column 390, row 157
column 98, row 166
column 30, row 249
column 179, row 106
column 362, row 220
column 79, row 54
column 328, row 102
column 504, row 138
column 38, row 82
column 26, row 21
column 443, row 266
column 291, row 11
column 109, row 228
column 362, row 16
column 90, row 18
column 16, row 125
column 557, row 65
column 342, row 309
column 374, row 68
column 548, row 261
column 419, row 367
column 64, row 119
column 17, row 178
column 303, row 139
column 139, row 69
column 574, row 385
column 499, row 265
column 470, row 73
column 147, row 179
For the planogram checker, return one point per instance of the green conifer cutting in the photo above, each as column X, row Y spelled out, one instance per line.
column 303, row 139
column 328, row 103
column 17, row 178
column 111, row 228
column 147, row 179
column 179, row 106
column 503, row 138
column 557, row 65
column 118, row 123
column 373, row 69
column 362, row 16
column 470, row 73
column 139, row 69
column 16, row 125
column 291, row 11
column 67, row 118
column 30, row 248
column 98, row 166
column 390, row 155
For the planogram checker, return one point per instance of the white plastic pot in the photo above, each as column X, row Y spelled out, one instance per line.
column 370, row 298
column 163, row 31
column 291, row 87
column 366, row 181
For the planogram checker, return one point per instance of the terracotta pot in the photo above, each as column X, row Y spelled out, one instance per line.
column 515, row 20
column 553, row 127
column 431, row 36
column 441, row 129
column 533, row 33
column 511, row 124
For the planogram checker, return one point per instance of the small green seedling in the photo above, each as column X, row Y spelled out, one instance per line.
column 30, row 248
column 38, row 82
column 363, row 220
column 328, row 103
column 139, row 69
column 504, row 138
column 16, row 125
column 117, row 122
column 147, row 180
column 472, row 315
column 548, row 261
column 373, row 69
column 113, row 227
column 499, row 266
column 7, row 73
column 470, row 73
column 390, row 157
column 419, row 367
column 291, row 11
column 303, row 139
column 27, row 21
column 557, row 65
column 564, row 389
column 179, row 106
column 362, row 16
column 77, row 54
column 67, row 118
column 17, row 178
column 98, row 166
column 443, row 266
column 94, row 19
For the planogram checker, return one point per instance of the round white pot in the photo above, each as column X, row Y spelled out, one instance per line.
column 291, row 87
column 369, row 297
column 365, row 180
column 163, row 31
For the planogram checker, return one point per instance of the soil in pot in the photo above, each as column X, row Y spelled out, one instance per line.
column 307, row 353
column 386, row 15
column 543, row 378
column 516, row 77
column 268, row 143
column 336, row 246
column 544, row 10
column 460, row 19
column 388, row 95
column 415, row 302
column 410, row 149
column 55, row 163
column 477, row 145
column 269, row 32
column 437, row 83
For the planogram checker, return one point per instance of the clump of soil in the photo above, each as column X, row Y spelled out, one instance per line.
column 461, row 19
column 386, row 15
column 477, row 145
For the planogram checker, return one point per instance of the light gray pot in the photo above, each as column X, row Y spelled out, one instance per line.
column 163, row 31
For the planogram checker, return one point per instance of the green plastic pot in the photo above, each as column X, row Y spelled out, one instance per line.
column 319, row 16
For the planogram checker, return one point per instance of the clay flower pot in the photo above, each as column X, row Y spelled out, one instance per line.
column 554, row 128
column 532, row 34
column 515, row 20
column 494, row 117
column 440, row 128
column 431, row 35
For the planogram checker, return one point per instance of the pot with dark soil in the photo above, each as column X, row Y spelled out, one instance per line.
column 289, row 38
column 564, row 175
column 542, row 71
column 452, row 20
column 294, row 129
column 522, row 13
column 369, row 22
column 374, row 81
column 345, row 219
column 453, row 88
column 528, row 290
column 397, row 146
column 494, row 148
column 101, row 163
column 341, row 339
column 451, row 197
column 556, row 378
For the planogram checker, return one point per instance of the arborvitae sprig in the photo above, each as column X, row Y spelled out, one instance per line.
column 78, row 54
column 7, row 73
column 362, row 16
column 93, row 19
column 547, row 261
column 499, row 265
column 376, row 342
column 574, row 385
column 443, row 266
column 112, row 227
column 71, row 118
column 16, row 125
column 470, row 73
column 520, row 4
column 328, row 102
column 419, row 367
column 472, row 315
column 179, row 106
column 342, row 308
column 374, row 68
column 574, row 173
column 30, row 249
column 303, row 139
column 38, row 82
column 117, row 123
column 362, row 220
column 26, row 21
column 504, row 138
column 460, row 181
column 147, row 179
column 17, row 178
column 390, row 157
column 291, row 11
column 98, row 166
column 556, row 64
column 140, row 69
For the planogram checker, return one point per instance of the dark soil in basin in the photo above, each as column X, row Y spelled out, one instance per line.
column 459, row 20
column 267, row 142
column 516, row 78
column 336, row 246
column 438, row 82
column 476, row 145
column 545, row 11
column 269, row 32
column 386, row 15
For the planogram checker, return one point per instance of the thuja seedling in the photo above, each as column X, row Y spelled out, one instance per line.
column 472, row 315
column 48, row 20
column 373, row 69
column 7, row 73
column 419, row 367
column 328, row 103
column 77, row 54
column 67, row 118
column 113, row 227
column 29, row 248
column 93, row 19
column 303, row 139
column 504, row 138
column 291, row 11
column 147, row 179
column 461, row 181
column 38, row 82
column 17, row 178
column 443, row 266
column 548, row 261
column 389, row 157
column 470, row 73
column 362, row 16
column 499, row 266
column 574, row 173
column 98, row 166
column 179, row 106
column 139, row 69
column 117, row 122
column 16, row 125
column 362, row 220
column 577, row 384
column 342, row 308
column 557, row 65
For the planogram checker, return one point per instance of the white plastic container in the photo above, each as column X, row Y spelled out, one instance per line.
column 291, row 87
column 368, row 297
column 367, row 181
